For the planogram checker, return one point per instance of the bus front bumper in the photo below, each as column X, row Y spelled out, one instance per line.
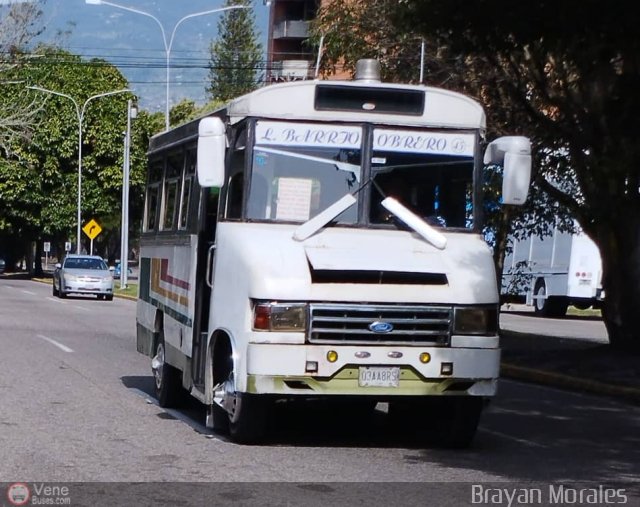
column 305, row 370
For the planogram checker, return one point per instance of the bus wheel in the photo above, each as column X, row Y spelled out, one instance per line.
column 248, row 420
column 244, row 415
column 458, row 420
column 167, row 378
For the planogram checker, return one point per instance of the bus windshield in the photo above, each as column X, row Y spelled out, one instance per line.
column 431, row 173
column 301, row 169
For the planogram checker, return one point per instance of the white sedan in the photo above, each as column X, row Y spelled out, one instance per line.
column 83, row 274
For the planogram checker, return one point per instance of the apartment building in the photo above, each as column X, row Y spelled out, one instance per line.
column 289, row 57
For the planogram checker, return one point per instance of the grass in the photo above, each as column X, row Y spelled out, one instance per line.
column 130, row 291
column 589, row 312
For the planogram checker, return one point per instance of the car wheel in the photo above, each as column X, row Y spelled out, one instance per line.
column 109, row 297
column 167, row 378
column 54, row 290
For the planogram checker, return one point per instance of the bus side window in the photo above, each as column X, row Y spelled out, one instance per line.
column 234, row 196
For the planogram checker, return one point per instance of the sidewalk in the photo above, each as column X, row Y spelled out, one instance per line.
column 582, row 365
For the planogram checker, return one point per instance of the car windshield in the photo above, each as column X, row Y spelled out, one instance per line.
column 85, row 263
column 301, row 169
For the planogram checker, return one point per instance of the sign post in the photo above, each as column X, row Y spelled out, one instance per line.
column 92, row 229
column 47, row 249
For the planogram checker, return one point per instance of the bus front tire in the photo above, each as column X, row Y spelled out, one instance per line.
column 440, row 421
column 248, row 421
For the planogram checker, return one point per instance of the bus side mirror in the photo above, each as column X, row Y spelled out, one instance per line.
column 513, row 153
column 211, row 150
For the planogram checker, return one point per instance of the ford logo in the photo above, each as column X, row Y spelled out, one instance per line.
column 380, row 327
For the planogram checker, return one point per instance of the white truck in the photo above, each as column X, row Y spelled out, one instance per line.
column 553, row 272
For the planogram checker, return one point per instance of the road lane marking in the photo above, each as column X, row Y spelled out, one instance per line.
column 56, row 343
column 29, row 292
column 510, row 437
column 81, row 308
column 55, row 300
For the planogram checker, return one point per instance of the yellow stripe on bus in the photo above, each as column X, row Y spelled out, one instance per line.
column 155, row 285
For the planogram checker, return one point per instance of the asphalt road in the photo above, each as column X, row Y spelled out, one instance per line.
column 77, row 407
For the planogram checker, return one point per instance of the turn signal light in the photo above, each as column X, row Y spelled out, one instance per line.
column 425, row 357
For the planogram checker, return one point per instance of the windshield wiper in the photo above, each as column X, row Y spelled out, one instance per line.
column 412, row 220
column 312, row 226
column 342, row 166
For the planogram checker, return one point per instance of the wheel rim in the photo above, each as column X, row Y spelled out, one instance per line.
column 540, row 293
column 224, row 395
column 156, row 365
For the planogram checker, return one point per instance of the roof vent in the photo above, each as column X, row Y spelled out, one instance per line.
column 368, row 71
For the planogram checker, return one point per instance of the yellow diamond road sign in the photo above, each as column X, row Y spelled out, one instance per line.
column 92, row 229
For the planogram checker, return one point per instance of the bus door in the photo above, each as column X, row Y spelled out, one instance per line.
column 210, row 205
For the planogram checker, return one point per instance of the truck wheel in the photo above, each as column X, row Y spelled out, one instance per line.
column 167, row 378
column 552, row 306
column 540, row 303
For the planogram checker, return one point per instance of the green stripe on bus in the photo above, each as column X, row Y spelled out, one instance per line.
column 144, row 281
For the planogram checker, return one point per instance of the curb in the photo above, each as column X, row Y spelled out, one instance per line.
column 560, row 380
column 121, row 296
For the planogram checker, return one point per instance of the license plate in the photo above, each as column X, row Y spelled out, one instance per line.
column 379, row 376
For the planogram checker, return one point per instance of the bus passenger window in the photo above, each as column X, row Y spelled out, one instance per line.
column 152, row 207
column 184, row 203
column 170, row 204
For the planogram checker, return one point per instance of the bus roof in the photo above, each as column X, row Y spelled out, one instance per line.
column 301, row 100
column 344, row 101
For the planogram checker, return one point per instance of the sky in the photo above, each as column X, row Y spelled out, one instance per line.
column 134, row 42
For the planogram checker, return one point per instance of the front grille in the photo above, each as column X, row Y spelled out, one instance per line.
column 350, row 324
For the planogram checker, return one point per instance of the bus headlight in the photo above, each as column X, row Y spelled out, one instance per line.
column 473, row 320
column 280, row 317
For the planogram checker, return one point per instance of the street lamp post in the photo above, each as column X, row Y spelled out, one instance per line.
column 167, row 44
column 80, row 114
column 132, row 112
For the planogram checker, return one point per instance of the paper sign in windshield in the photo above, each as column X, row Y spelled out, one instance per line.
column 294, row 199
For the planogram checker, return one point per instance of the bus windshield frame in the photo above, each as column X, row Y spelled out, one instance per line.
column 298, row 169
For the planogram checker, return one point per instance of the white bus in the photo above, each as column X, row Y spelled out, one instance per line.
column 320, row 240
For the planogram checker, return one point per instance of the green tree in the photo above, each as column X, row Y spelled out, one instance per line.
column 19, row 24
column 236, row 55
column 38, row 184
column 572, row 71
column 566, row 75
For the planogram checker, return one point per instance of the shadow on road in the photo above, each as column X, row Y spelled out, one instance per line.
column 520, row 438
